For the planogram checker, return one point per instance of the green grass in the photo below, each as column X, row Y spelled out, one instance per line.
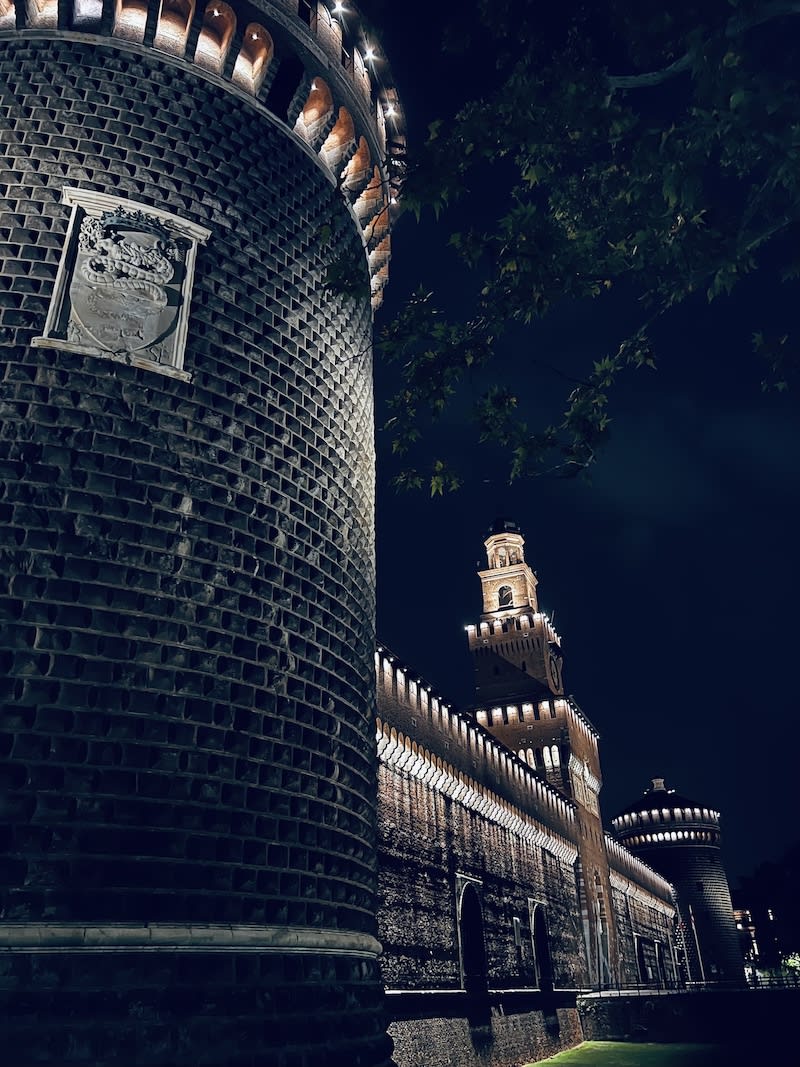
column 623, row 1054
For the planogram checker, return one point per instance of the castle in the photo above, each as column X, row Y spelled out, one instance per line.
column 495, row 872
column 196, row 209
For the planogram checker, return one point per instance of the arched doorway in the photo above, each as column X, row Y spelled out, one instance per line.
column 541, row 950
column 473, row 944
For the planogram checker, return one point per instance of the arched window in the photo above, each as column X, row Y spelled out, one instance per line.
column 556, row 756
column 174, row 20
column 253, row 59
column 548, row 762
column 505, row 596
column 472, row 941
column 219, row 25
column 531, row 758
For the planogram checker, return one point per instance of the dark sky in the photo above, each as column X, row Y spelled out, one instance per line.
column 672, row 572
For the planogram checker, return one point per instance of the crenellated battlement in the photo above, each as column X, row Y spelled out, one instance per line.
column 309, row 66
column 447, row 747
column 669, row 823
column 555, row 707
column 634, row 877
column 512, row 625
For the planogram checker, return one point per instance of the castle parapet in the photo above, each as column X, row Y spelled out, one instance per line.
column 308, row 65
column 417, row 729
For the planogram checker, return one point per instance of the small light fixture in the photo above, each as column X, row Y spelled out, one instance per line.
column 390, row 110
column 216, row 12
column 313, row 87
column 338, row 8
column 369, row 55
column 253, row 36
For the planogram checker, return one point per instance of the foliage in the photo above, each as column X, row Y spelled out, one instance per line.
column 675, row 178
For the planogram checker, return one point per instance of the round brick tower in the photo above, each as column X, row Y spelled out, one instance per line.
column 681, row 840
column 195, row 218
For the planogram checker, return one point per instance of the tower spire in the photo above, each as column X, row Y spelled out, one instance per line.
column 516, row 650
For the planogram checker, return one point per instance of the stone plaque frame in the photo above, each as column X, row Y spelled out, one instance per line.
column 124, row 283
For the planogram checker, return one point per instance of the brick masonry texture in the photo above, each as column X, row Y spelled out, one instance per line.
column 429, row 842
column 186, row 586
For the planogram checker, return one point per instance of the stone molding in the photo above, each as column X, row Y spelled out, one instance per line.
column 184, row 937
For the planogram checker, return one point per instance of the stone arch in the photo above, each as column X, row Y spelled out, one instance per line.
column 505, row 596
column 130, row 19
column 314, row 119
column 172, row 28
column 254, row 57
column 472, row 941
column 340, row 140
column 370, row 201
column 356, row 173
column 216, row 34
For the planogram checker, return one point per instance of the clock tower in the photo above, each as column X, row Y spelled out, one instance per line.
column 520, row 698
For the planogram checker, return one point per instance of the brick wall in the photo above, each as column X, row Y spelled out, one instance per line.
column 186, row 596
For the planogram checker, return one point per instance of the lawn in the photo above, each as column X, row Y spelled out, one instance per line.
column 623, row 1054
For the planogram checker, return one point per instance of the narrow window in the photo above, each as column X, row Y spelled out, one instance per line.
column 505, row 596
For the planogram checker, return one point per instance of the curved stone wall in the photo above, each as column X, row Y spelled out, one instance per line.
column 187, row 581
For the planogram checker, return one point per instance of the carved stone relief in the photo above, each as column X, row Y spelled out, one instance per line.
column 124, row 282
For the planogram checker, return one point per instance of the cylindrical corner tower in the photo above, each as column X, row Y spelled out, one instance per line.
column 681, row 840
column 195, row 215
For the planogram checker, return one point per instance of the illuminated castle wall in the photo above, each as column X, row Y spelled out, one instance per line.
column 186, row 500
column 499, row 889
column 495, row 875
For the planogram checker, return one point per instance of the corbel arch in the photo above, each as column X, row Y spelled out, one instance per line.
column 172, row 28
column 216, row 34
column 254, row 57
column 340, row 140
column 356, row 174
column 316, row 114
column 130, row 19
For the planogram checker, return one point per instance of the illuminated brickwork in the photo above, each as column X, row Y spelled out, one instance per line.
column 187, row 579
column 457, row 808
column 681, row 840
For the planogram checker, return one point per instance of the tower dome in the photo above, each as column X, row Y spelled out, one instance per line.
column 186, row 530
column 680, row 839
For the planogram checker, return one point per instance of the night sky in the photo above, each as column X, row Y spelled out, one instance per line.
column 671, row 571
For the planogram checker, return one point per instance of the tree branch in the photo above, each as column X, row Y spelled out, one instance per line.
column 733, row 28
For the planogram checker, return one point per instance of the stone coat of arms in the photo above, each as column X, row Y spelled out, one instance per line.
column 124, row 292
column 124, row 283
